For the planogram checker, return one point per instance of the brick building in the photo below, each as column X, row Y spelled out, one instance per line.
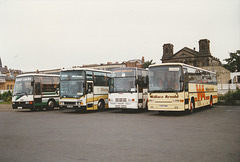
column 7, row 78
column 202, row 58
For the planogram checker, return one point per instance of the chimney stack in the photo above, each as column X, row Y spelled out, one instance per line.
column 204, row 47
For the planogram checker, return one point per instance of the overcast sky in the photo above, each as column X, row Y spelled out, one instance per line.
column 47, row 34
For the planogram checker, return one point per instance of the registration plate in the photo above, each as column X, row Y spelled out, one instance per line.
column 119, row 103
column 163, row 105
column 19, row 107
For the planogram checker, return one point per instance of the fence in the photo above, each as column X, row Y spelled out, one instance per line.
column 224, row 88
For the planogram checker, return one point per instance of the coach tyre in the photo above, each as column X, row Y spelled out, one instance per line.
column 211, row 102
column 101, row 105
column 192, row 106
column 146, row 107
column 50, row 105
column 34, row 109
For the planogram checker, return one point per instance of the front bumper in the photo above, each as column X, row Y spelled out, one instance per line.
column 73, row 107
column 22, row 105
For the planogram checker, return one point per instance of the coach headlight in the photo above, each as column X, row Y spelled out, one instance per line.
column 79, row 103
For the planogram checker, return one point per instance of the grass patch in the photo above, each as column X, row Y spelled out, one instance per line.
column 5, row 103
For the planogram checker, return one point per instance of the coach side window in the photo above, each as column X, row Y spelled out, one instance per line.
column 48, row 84
column 100, row 79
column 89, row 75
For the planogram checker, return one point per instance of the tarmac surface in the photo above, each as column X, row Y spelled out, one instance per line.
column 209, row 134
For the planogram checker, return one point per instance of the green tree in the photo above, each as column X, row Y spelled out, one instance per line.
column 6, row 96
column 233, row 63
column 148, row 63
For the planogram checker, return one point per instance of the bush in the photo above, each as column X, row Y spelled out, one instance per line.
column 236, row 94
column 6, row 96
column 230, row 97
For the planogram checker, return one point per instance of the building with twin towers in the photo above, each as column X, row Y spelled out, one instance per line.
column 202, row 58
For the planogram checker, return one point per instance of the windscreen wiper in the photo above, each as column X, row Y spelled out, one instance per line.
column 19, row 93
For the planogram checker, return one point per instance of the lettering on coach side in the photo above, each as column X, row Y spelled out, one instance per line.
column 175, row 96
column 209, row 89
column 201, row 92
column 155, row 96
column 166, row 96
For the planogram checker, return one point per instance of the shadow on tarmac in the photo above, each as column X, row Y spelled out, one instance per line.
column 182, row 113
column 127, row 111
column 120, row 111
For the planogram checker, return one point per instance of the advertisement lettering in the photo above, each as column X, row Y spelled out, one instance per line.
column 201, row 92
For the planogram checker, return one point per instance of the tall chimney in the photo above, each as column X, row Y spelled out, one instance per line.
column 204, row 47
column 167, row 51
column 143, row 59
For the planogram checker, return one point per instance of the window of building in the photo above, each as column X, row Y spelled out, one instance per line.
column 194, row 63
column 166, row 50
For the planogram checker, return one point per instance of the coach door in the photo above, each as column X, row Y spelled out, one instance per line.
column 90, row 99
column 185, row 90
column 38, row 94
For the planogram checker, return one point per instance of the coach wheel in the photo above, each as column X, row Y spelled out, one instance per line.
column 50, row 105
column 192, row 107
column 101, row 106
column 34, row 109
column 211, row 102
column 146, row 107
